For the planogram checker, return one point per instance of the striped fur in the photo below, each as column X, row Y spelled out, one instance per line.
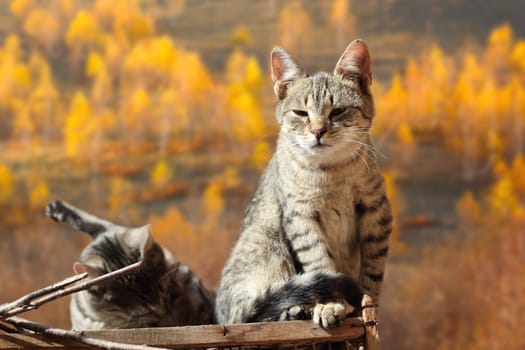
column 163, row 292
column 320, row 213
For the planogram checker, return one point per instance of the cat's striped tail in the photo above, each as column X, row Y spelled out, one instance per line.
column 306, row 289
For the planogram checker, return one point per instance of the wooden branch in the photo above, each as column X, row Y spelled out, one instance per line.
column 369, row 316
column 39, row 297
column 26, row 299
column 268, row 334
column 76, row 336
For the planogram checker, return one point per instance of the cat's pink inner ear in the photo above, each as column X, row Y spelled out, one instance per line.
column 284, row 70
column 355, row 61
column 277, row 69
column 80, row 268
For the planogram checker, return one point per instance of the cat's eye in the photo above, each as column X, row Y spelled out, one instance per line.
column 300, row 113
column 337, row 111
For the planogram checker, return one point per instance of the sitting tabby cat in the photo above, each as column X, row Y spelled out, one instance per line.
column 162, row 293
column 315, row 235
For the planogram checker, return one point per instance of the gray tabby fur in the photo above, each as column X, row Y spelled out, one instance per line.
column 320, row 219
column 163, row 292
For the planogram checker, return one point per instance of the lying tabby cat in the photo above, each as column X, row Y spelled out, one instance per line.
column 315, row 235
column 162, row 293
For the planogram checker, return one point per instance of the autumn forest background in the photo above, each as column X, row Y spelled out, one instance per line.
column 161, row 112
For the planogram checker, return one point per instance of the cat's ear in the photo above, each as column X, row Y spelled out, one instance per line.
column 93, row 265
column 355, row 62
column 284, row 71
column 139, row 238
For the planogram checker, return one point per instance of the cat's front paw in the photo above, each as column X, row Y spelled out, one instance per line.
column 330, row 314
column 296, row 312
column 57, row 211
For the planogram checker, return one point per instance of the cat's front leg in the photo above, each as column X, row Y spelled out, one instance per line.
column 374, row 217
column 78, row 219
column 307, row 239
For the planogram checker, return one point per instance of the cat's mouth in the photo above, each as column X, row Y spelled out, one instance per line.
column 318, row 145
column 321, row 143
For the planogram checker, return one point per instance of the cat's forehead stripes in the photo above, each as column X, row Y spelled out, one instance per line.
column 323, row 89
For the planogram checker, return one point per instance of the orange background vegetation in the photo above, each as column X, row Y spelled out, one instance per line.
column 105, row 105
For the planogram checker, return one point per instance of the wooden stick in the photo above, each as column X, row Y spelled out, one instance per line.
column 89, row 282
column 26, row 299
column 56, row 291
column 80, row 337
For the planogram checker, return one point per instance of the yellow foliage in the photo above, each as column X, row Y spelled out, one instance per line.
column 245, row 110
column 24, row 125
column 517, row 57
column 500, row 168
column 161, row 174
column 243, row 96
column 404, row 135
column 39, row 195
column 499, row 43
column 229, row 178
column 517, row 172
column 212, row 202
column 235, row 66
column 155, row 56
column 392, row 107
column 140, row 101
column 43, row 26
column 294, row 37
column 45, row 86
column 113, row 54
column 21, row 77
column 503, row 199
column 67, row 7
column 12, row 46
column 171, row 223
column 119, row 193
column 397, row 205
column 104, row 10
column 6, row 184
column 95, row 64
column 102, row 89
column 163, row 53
column 132, row 23
column 193, row 77
column 107, row 119
column 496, row 144
column 261, row 154
column 80, row 126
column 479, row 109
column 21, row 7
column 468, row 210
column 241, row 36
column 339, row 11
column 84, row 30
column 253, row 77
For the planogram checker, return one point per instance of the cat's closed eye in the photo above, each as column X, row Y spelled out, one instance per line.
column 300, row 113
column 337, row 111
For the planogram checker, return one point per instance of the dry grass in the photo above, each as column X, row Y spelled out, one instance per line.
column 461, row 295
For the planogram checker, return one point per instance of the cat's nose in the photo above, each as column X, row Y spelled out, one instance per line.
column 319, row 132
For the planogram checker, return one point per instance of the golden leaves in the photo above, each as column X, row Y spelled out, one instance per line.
column 161, row 174
column 476, row 103
column 84, row 30
column 6, row 183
